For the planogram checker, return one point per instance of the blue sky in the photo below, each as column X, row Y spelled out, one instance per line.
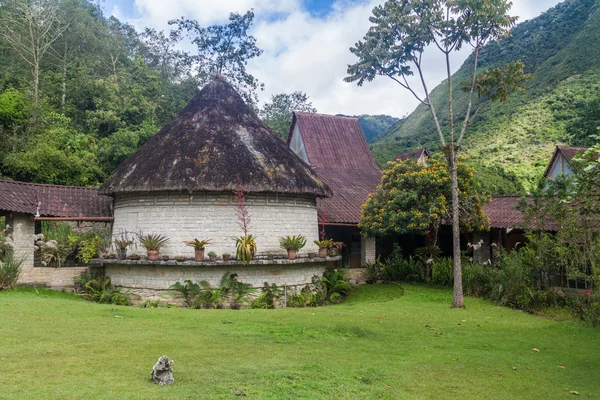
column 306, row 46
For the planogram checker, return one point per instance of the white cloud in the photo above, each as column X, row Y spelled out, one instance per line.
column 311, row 53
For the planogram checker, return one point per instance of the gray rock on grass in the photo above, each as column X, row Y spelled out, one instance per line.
column 162, row 372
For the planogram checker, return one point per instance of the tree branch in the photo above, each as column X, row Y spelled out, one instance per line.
column 473, row 82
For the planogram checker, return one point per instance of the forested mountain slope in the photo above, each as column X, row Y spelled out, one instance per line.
column 513, row 141
column 375, row 126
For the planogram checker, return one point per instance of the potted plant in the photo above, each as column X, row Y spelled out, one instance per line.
column 292, row 244
column 198, row 246
column 335, row 248
column 270, row 256
column 245, row 248
column 122, row 248
column 153, row 243
column 165, row 258
column 323, row 246
column 226, row 256
column 212, row 256
column 180, row 258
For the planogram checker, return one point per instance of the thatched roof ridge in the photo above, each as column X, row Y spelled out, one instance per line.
column 217, row 143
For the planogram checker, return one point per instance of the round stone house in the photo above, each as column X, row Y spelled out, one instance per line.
column 181, row 183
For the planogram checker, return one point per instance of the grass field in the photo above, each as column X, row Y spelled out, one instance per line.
column 378, row 344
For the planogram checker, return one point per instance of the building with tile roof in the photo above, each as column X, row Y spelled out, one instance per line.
column 560, row 163
column 419, row 155
column 336, row 149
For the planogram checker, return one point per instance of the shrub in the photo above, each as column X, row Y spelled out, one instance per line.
column 587, row 308
column 245, row 248
column 267, row 299
column 10, row 268
column 397, row 268
column 101, row 290
column 336, row 285
column 442, row 271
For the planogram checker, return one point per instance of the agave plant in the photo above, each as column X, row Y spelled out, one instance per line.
column 295, row 242
column 245, row 248
column 152, row 241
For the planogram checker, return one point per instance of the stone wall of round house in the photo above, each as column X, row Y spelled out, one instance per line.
column 206, row 215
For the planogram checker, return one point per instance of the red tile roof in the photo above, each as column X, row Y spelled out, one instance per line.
column 53, row 200
column 337, row 150
column 414, row 154
column 502, row 212
column 567, row 152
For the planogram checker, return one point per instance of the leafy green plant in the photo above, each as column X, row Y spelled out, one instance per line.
column 295, row 242
column 270, row 294
column 88, row 248
column 442, row 271
column 153, row 241
column 189, row 290
column 245, row 248
column 198, row 244
column 324, row 244
column 10, row 269
column 100, row 290
column 212, row 254
column 336, row 285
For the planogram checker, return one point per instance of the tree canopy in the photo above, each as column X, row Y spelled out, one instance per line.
column 416, row 198
column 277, row 113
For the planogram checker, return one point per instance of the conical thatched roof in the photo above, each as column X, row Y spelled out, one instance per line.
column 217, row 143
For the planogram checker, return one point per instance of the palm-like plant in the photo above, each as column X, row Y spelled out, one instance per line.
column 324, row 244
column 197, row 244
column 295, row 242
column 245, row 248
column 153, row 242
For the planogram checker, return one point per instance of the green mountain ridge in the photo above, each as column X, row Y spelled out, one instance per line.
column 374, row 126
column 512, row 142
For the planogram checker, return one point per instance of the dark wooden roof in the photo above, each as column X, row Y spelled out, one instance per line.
column 217, row 143
column 567, row 152
column 413, row 155
column 53, row 201
column 338, row 152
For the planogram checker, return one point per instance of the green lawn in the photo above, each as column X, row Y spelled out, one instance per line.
column 378, row 344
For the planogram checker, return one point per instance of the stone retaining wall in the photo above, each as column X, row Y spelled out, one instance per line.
column 151, row 281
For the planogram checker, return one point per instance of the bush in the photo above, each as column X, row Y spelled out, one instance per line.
column 10, row 268
column 442, row 272
column 101, row 290
column 267, row 299
column 587, row 308
column 397, row 268
column 336, row 285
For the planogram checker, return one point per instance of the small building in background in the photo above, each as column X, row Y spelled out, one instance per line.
column 560, row 163
column 25, row 205
column 336, row 149
column 419, row 155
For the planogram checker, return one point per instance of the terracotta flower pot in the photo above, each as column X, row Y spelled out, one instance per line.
column 199, row 255
column 152, row 255
column 270, row 256
column 213, row 258
column 226, row 257
column 292, row 254
column 322, row 252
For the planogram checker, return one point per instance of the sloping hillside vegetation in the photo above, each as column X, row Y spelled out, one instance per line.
column 374, row 126
column 512, row 142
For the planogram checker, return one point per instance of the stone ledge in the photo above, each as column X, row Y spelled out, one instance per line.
column 278, row 261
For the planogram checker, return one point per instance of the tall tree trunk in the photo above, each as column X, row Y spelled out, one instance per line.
column 36, row 81
column 458, row 300
column 63, row 98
